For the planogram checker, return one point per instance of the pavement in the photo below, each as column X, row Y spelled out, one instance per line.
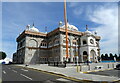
column 72, row 73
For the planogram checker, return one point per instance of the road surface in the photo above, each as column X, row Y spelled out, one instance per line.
column 13, row 73
column 114, row 72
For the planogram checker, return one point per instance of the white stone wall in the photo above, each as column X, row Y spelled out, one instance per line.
column 32, row 55
column 56, row 51
column 88, row 47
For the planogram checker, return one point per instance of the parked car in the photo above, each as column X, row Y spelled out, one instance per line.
column 118, row 66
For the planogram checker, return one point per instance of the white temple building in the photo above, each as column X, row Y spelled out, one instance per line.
column 35, row 47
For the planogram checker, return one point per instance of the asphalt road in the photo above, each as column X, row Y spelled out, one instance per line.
column 13, row 73
column 114, row 72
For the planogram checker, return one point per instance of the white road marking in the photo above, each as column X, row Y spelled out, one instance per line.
column 14, row 71
column 61, row 79
column 26, row 76
column 4, row 72
column 48, row 81
column 8, row 68
column 24, row 69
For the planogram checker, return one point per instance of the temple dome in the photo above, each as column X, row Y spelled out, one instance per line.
column 33, row 29
column 88, row 32
column 71, row 27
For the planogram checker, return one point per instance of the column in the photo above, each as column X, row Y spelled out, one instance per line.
column 61, row 48
column 71, row 50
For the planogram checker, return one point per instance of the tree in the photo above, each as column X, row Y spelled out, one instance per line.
column 2, row 55
column 106, row 56
column 111, row 56
column 99, row 58
column 102, row 57
column 116, row 56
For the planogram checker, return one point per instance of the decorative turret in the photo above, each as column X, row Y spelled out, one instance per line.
column 71, row 27
column 87, row 32
column 32, row 29
column 28, row 27
column 60, row 23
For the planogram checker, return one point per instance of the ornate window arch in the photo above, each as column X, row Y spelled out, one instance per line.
column 75, row 41
column 56, row 41
column 85, row 56
column 92, row 55
column 43, row 43
column 33, row 43
column 85, row 53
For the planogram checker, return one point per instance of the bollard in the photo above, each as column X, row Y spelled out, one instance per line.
column 54, row 63
column 48, row 63
column 57, row 64
column 77, row 68
column 65, row 63
column 80, row 68
column 113, row 65
column 88, row 67
column 108, row 65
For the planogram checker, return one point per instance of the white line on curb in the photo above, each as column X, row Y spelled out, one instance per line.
column 4, row 72
column 24, row 69
column 26, row 76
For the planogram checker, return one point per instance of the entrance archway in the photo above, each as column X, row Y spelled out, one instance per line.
column 92, row 56
column 85, row 56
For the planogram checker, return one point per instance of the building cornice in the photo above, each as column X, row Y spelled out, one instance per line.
column 52, row 33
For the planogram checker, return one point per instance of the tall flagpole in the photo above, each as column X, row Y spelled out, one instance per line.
column 66, row 29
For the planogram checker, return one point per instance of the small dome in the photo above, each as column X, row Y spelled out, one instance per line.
column 74, row 28
column 88, row 32
column 71, row 27
column 33, row 29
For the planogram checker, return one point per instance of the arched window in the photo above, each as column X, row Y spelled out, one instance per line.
column 50, row 43
column 56, row 41
column 84, row 42
column 84, row 53
column 33, row 43
column 43, row 43
column 85, row 56
column 92, row 55
column 75, row 42
column 64, row 41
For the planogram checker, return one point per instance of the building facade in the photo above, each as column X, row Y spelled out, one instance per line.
column 34, row 47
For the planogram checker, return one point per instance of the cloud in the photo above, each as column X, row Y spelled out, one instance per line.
column 78, row 11
column 73, row 4
column 106, row 16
